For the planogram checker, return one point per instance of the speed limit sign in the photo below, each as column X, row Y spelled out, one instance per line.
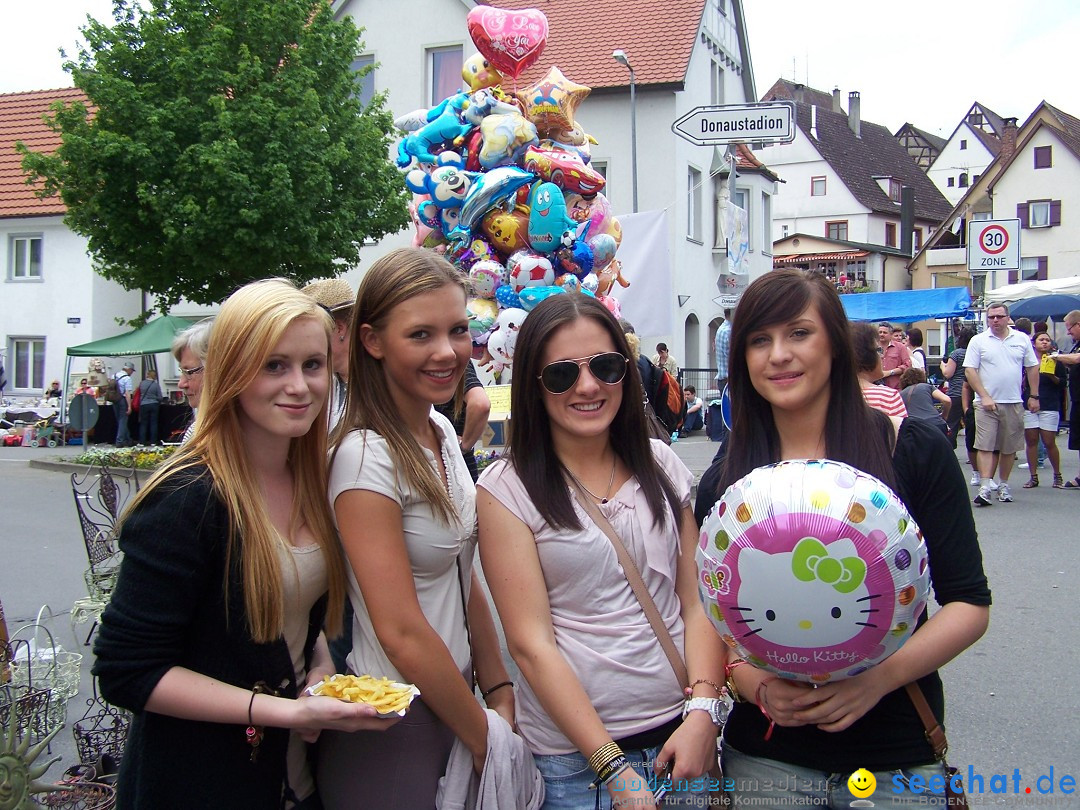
column 993, row 244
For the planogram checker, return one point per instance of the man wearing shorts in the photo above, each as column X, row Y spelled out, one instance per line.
column 995, row 365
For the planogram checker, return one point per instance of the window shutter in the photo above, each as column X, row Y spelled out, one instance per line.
column 1042, row 268
column 1022, row 214
column 1055, row 212
column 1014, row 276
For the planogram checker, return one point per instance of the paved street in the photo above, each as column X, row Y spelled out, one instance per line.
column 1012, row 699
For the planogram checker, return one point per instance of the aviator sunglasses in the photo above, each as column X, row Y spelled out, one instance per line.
column 560, row 376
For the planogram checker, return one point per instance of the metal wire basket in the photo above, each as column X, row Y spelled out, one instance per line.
column 32, row 709
column 80, row 796
column 102, row 729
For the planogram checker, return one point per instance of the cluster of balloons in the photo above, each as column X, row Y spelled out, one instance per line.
column 502, row 185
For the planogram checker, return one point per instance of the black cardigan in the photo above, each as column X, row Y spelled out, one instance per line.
column 168, row 610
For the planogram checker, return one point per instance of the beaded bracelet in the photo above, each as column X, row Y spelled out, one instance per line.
column 689, row 691
column 761, row 705
column 253, row 733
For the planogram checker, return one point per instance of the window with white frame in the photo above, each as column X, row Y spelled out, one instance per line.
column 693, row 203
column 766, row 222
column 27, row 363
column 741, row 199
column 1029, row 268
column 601, row 166
column 444, row 72
column 717, row 83
column 817, row 186
column 25, row 257
column 365, row 81
column 1039, row 214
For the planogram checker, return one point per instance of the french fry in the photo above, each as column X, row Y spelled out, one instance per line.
column 384, row 695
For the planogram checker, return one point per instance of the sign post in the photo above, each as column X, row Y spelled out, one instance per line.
column 756, row 122
column 993, row 244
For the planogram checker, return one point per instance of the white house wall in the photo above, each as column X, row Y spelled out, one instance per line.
column 1022, row 182
column 953, row 160
column 68, row 289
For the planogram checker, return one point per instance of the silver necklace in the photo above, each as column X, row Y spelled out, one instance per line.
column 611, row 480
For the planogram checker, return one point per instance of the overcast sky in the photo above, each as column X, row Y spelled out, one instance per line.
column 923, row 61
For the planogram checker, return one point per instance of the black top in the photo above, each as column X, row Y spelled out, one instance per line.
column 889, row 736
column 1074, row 376
column 1049, row 388
column 168, row 610
column 447, row 409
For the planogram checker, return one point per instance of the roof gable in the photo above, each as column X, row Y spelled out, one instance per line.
column 658, row 38
column 22, row 119
column 858, row 160
column 793, row 91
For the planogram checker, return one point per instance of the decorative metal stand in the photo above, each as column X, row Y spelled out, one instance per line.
column 102, row 729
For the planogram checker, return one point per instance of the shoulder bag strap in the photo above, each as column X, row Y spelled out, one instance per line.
column 637, row 584
column 935, row 734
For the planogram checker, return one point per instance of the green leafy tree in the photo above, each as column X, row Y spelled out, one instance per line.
column 223, row 143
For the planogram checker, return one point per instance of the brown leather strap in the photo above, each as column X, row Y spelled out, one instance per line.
column 637, row 584
column 935, row 734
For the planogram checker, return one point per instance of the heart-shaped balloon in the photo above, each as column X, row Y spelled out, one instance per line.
column 509, row 40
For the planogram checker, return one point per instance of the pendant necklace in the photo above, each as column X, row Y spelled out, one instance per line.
column 611, row 480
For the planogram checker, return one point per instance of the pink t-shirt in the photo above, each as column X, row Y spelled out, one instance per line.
column 600, row 628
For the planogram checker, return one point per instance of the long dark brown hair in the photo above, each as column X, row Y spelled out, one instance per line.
column 531, row 449
column 855, row 433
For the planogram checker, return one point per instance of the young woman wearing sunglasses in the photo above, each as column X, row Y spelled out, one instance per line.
column 595, row 673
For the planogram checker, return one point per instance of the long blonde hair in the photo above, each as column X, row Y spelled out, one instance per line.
column 249, row 327
column 395, row 278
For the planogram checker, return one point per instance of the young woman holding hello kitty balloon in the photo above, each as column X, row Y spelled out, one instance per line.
column 795, row 395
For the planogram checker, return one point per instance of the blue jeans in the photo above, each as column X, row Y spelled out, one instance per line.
column 148, row 423
column 760, row 782
column 567, row 778
column 120, row 408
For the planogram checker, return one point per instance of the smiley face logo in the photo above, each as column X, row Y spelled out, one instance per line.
column 862, row 783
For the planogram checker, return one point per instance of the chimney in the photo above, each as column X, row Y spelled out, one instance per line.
column 853, row 113
column 1008, row 140
column 836, row 100
column 813, row 122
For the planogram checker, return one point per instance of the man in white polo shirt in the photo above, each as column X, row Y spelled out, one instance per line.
column 995, row 364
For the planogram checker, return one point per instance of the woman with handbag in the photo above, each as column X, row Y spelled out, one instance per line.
column 405, row 507
column 582, row 497
column 796, row 396
column 213, row 629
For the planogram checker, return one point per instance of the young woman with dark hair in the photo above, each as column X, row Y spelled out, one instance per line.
column 796, row 396
column 601, row 703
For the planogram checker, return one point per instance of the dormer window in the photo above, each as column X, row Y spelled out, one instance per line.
column 894, row 189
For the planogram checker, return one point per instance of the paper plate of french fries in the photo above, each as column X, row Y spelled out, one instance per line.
column 388, row 697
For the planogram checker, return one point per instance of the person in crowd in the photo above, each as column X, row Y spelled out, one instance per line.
column 336, row 297
column 85, row 388
column 189, row 349
column 894, row 354
column 230, row 564
column 54, row 391
column 149, row 407
column 797, row 396
column 868, row 365
column 405, row 508
column 695, row 411
column 601, row 703
column 952, row 370
column 919, row 397
column 1072, row 361
column 663, row 359
column 1022, row 325
column 723, row 349
column 122, row 406
column 1043, row 423
column 996, row 362
column 470, row 419
column 914, row 342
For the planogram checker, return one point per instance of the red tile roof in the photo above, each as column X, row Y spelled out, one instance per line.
column 21, row 120
column 656, row 37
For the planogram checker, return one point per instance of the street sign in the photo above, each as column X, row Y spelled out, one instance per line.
column 756, row 122
column 993, row 244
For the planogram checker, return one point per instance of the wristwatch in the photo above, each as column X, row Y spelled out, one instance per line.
column 716, row 708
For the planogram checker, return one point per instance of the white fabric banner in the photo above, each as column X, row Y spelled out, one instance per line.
column 646, row 263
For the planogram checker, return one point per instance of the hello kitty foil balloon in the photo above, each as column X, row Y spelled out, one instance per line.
column 812, row 570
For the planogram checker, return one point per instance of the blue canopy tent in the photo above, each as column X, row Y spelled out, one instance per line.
column 908, row 305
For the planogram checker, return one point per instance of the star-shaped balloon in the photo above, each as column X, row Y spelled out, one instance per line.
column 552, row 102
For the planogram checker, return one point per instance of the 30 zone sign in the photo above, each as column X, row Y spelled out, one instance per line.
column 994, row 244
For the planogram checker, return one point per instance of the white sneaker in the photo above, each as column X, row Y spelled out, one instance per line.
column 1025, row 465
column 984, row 497
column 976, row 479
column 993, row 485
column 1003, row 494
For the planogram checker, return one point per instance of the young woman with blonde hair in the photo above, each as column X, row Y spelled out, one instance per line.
column 404, row 504
column 230, row 564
